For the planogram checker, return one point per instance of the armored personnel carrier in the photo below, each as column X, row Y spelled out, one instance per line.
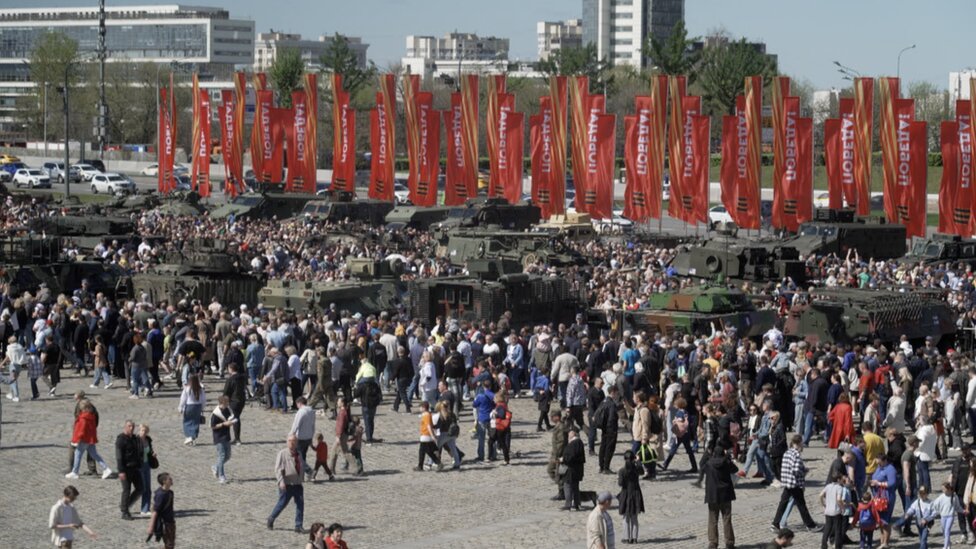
column 837, row 231
column 416, row 217
column 530, row 298
column 376, row 287
column 845, row 315
column 264, row 205
column 84, row 224
column 372, row 212
column 692, row 311
column 728, row 258
column 492, row 212
column 460, row 246
column 942, row 248
column 27, row 261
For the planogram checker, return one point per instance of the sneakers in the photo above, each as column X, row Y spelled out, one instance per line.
column 776, row 484
column 106, row 473
column 133, row 397
column 93, row 386
column 52, row 391
column 10, row 396
column 16, row 399
column 71, row 476
column 108, row 385
column 815, row 528
column 223, row 480
column 145, row 514
column 188, row 441
column 213, row 469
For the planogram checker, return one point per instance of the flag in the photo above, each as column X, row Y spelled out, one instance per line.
column 543, row 159
column 511, row 142
column 911, row 176
column 200, row 165
column 683, row 202
column 343, row 139
column 274, row 163
column 676, row 132
column 640, row 188
column 696, row 178
column 231, row 142
column 789, row 113
column 748, row 196
column 310, row 167
column 848, row 155
column 832, row 163
column 457, row 188
column 887, row 94
column 504, row 106
column 469, row 132
column 261, row 126
column 297, row 153
column 496, row 87
column 580, row 119
column 594, row 107
column 730, row 166
column 381, row 145
column 781, row 90
column 797, row 183
column 557, row 129
column 863, row 145
column 601, row 140
column 430, row 152
column 411, row 91
column 165, row 151
column 903, row 111
column 655, row 168
column 965, row 196
column 954, row 215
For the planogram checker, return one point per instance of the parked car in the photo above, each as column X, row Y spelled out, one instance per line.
column 31, row 178
column 151, row 170
column 111, row 183
column 718, row 214
column 6, row 177
column 8, row 158
column 401, row 192
column 183, row 182
column 98, row 165
column 12, row 167
column 55, row 172
column 87, row 171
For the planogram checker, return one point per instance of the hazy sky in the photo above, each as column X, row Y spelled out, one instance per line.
column 806, row 35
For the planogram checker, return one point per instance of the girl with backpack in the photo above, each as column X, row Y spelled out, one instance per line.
column 501, row 426
column 681, row 435
column 867, row 520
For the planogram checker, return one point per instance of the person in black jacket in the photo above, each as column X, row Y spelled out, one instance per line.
column 607, row 420
column 454, row 374
column 370, row 395
column 593, row 400
column 574, row 457
column 403, row 375
column 719, row 495
column 235, row 389
column 128, row 457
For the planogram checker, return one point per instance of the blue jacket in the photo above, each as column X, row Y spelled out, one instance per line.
column 484, row 404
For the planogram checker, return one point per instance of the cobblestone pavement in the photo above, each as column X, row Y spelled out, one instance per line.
column 481, row 506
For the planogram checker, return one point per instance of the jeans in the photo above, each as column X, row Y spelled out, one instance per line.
column 798, row 418
column 137, row 381
column 797, row 495
column 686, row 442
column 947, row 529
column 369, row 420
column 291, row 491
column 191, row 420
column 132, row 489
column 808, row 423
column 924, row 479
column 279, row 396
column 412, row 390
column 482, row 433
column 14, row 373
column 81, row 449
column 833, row 528
column 454, row 384
column 223, row 456
column 146, row 473
column 402, row 395
column 252, row 374
column 451, row 444
column 591, row 433
column 431, row 397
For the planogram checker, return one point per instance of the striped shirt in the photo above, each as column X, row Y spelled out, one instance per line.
column 794, row 471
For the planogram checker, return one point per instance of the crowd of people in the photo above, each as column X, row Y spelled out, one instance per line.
column 890, row 409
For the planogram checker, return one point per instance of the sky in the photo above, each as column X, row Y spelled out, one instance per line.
column 807, row 36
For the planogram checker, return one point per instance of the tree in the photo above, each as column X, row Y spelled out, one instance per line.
column 53, row 53
column 286, row 75
column 931, row 106
column 723, row 70
column 579, row 62
column 340, row 59
column 675, row 55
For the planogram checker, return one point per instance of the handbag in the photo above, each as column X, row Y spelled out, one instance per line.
column 562, row 469
column 647, row 454
column 153, row 462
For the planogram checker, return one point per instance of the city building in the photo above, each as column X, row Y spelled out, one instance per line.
column 557, row 35
column 435, row 57
column 206, row 37
column 268, row 44
column 959, row 84
column 621, row 28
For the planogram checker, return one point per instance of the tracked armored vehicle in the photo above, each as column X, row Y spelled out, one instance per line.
column 729, row 258
column 461, row 246
column 375, row 288
column 372, row 212
column 846, row 315
column 837, row 231
column 942, row 248
column 263, row 205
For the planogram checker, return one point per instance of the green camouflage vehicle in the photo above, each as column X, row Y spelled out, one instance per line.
column 84, row 225
column 28, row 261
column 692, row 311
column 263, row 205
column 847, row 315
column 375, row 288
column 492, row 212
column 460, row 246
column 725, row 257
column 941, row 248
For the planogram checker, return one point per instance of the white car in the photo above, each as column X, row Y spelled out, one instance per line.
column 718, row 214
column 821, row 200
column 618, row 224
column 111, row 183
column 87, row 171
column 31, row 178
column 151, row 170
column 401, row 193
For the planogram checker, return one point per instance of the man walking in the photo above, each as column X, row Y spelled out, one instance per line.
column 719, row 495
column 402, row 374
column 129, row 459
column 162, row 523
column 303, row 427
column 793, row 477
column 599, row 524
column 235, row 389
column 288, row 472
column 606, row 419
column 574, row 458
column 64, row 520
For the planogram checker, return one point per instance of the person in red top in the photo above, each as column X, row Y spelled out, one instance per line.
column 342, row 432
column 334, row 539
column 841, row 418
column 321, row 457
column 865, row 386
column 84, row 438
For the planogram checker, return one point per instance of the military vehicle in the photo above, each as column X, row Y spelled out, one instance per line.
column 263, row 205
column 941, row 248
column 574, row 225
column 28, row 261
column 728, row 258
column 692, row 311
column 364, row 210
column 837, row 231
column 460, row 246
column 416, row 217
column 492, row 212
column 83, row 225
column 530, row 298
column 203, row 270
column 847, row 315
column 376, row 288
column 181, row 203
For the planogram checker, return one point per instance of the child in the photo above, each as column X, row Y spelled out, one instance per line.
column 946, row 506
column 868, row 520
column 321, row 457
column 162, row 523
column 427, row 445
column 921, row 510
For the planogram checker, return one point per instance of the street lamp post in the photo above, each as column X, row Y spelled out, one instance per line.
column 173, row 65
column 67, row 138
column 903, row 50
column 847, row 72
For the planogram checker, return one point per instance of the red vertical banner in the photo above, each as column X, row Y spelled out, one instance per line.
column 749, row 197
column 430, row 152
column 832, row 163
column 579, row 120
column 798, row 171
column 784, row 215
column 261, row 125
column 697, row 178
column 601, row 148
column 240, row 96
column 456, row 187
column 690, row 168
column 965, row 197
column 228, row 133
column 511, row 143
column 848, row 155
column 658, row 137
column 729, row 171
column 903, row 111
column 863, row 142
column 166, row 147
column 343, row 139
column 912, row 140
column 557, row 127
column 200, row 165
column 411, row 115
column 676, row 146
column 640, row 189
column 274, row 163
column 496, row 87
column 381, row 180
column 888, row 128
column 469, row 132
column 952, row 219
column 310, row 167
column 780, row 91
column 418, row 118
column 543, row 159
column 504, row 107
column 594, row 106
column 297, row 153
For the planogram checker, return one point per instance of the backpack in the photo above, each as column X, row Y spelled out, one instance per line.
column 680, row 428
column 503, row 418
column 865, row 518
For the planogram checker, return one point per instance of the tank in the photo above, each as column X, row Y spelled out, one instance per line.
column 838, row 231
column 84, row 224
column 847, row 315
column 531, row 299
column 693, row 311
column 416, row 217
column 28, row 261
column 941, row 248
column 724, row 257
column 375, row 287
column 462, row 245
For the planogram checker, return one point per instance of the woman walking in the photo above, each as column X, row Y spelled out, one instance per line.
column 148, row 459
column 221, row 420
column 427, row 445
column 101, row 363
column 192, row 401
column 447, row 430
column 630, row 498
column 84, row 438
column 501, row 423
column 681, row 435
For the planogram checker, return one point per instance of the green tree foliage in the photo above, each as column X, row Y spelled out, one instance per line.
column 674, row 55
column 286, row 75
column 580, row 62
column 932, row 106
column 723, row 70
column 340, row 59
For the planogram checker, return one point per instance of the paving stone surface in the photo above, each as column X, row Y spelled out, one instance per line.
column 480, row 506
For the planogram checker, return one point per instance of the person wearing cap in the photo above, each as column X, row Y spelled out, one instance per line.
column 599, row 524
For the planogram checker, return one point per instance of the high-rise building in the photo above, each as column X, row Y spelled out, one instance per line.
column 557, row 35
column 621, row 28
column 959, row 84
column 268, row 44
column 430, row 56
